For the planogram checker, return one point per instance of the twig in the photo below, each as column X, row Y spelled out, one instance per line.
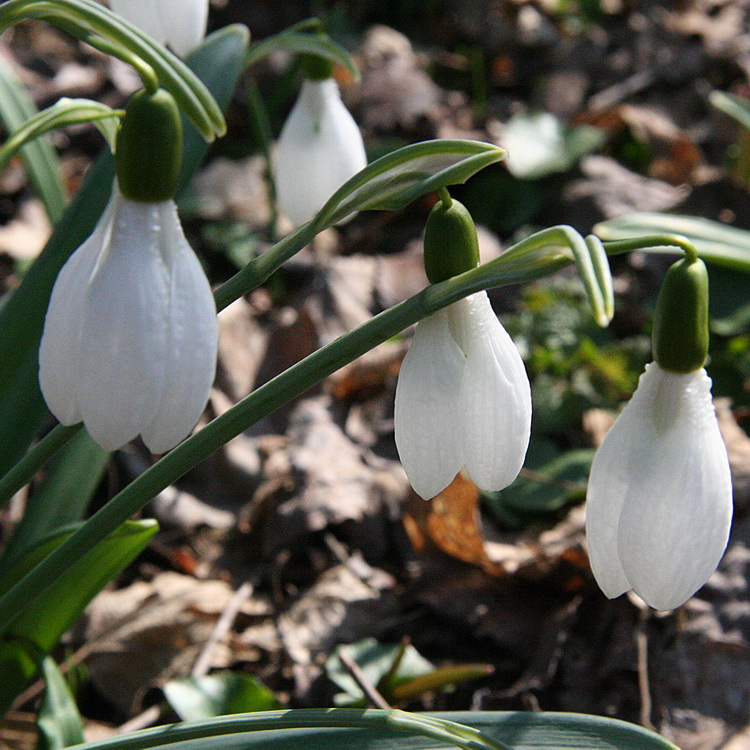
column 641, row 640
column 358, row 676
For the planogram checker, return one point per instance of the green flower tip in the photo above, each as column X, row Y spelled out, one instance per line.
column 317, row 68
column 680, row 335
column 450, row 242
column 149, row 147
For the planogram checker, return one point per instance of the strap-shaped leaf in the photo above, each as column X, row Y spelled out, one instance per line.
column 40, row 157
column 85, row 18
column 61, row 114
column 59, row 721
column 716, row 243
column 735, row 106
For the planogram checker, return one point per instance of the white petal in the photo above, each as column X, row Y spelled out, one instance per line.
column 179, row 23
column 125, row 328
column 145, row 14
column 425, row 416
column 677, row 510
column 495, row 396
column 319, row 149
column 189, row 355
column 59, row 351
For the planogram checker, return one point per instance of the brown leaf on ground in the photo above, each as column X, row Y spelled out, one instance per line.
column 738, row 448
column 450, row 523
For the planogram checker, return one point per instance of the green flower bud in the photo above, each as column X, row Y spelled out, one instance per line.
column 450, row 242
column 317, row 68
column 680, row 335
column 149, row 147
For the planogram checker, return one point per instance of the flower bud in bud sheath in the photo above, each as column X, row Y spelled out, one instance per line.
column 450, row 242
column 149, row 147
column 680, row 336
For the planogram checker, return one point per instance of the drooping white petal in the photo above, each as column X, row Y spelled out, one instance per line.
column 495, row 396
column 189, row 356
column 59, row 350
column 124, row 329
column 425, row 415
column 319, row 149
column 179, row 23
column 674, row 524
column 660, row 494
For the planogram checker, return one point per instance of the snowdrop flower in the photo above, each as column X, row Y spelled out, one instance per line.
column 463, row 398
column 181, row 24
column 130, row 337
column 659, row 502
column 319, row 149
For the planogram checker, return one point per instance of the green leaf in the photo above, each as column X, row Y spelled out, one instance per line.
column 197, row 698
column 61, row 604
column 219, row 62
column 61, row 114
column 59, row 722
column 40, row 158
column 521, row 731
column 715, row 242
column 539, row 144
column 395, row 180
column 63, row 496
column 298, row 42
column 98, row 26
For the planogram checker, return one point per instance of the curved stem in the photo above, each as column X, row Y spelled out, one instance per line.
column 391, row 720
column 617, row 247
column 445, row 197
column 146, row 73
column 23, row 472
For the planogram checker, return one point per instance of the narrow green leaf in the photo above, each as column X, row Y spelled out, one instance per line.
column 61, row 114
column 197, row 698
column 737, row 107
column 304, row 728
column 40, row 158
column 63, row 496
column 219, row 62
column 440, row 678
column 395, row 180
column 42, row 625
column 715, row 242
column 59, row 722
column 301, row 43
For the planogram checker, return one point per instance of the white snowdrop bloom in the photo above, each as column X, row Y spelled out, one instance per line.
column 660, row 492
column 181, row 24
column 130, row 337
column 462, row 401
column 319, row 149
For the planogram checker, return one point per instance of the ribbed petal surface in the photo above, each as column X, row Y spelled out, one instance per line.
column 319, row 149
column 129, row 344
column 189, row 355
column 60, row 347
column 495, row 398
column 179, row 23
column 426, row 419
column 661, row 484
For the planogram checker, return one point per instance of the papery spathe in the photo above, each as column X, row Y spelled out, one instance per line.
column 319, row 149
column 130, row 338
column 179, row 23
column 462, row 401
column 660, row 492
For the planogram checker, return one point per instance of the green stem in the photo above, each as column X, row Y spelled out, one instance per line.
column 24, row 471
column 534, row 257
column 146, row 73
column 617, row 247
column 391, row 720
column 445, row 197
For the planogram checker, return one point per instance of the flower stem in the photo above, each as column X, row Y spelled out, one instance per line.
column 534, row 257
column 616, row 247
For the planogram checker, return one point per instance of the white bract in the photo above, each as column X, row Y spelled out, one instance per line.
column 319, row 149
column 462, row 401
column 179, row 23
column 130, row 337
column 660, row 492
